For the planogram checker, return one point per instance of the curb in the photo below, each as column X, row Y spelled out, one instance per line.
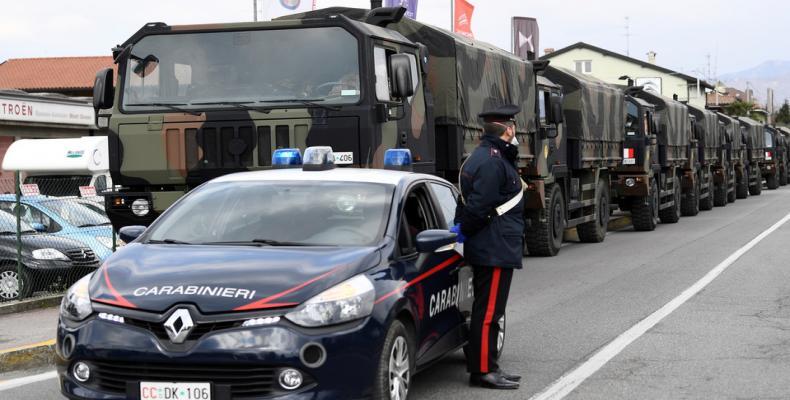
column 34, row 355
column 615, row 224
column 31, row 304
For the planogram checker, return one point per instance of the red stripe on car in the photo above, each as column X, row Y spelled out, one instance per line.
column 422, row 277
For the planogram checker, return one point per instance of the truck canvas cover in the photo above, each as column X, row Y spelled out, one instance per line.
column 732, row 129
column 593, row 109
column 674, row 123
column 465, row 76
column 707, row 127
column 753, row 131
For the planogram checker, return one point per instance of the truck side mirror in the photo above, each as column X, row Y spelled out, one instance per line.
column 103, row 91
column 555, row 115
column 402, row 79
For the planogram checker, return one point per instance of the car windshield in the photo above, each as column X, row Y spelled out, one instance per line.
column 8, row 224
column 278, row 213
column 76, row 214
column 262, row 68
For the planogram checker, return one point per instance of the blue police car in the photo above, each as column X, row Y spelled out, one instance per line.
column 299, row 283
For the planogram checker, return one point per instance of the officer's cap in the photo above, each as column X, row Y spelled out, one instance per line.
column 503, row 113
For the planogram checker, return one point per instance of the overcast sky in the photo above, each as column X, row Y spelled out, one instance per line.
column 736, row 34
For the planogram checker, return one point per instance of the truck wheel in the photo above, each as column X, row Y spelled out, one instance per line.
column 742, row 187
column 595, row 231
column 757, row 188
column 720, row 195
column 14, row 284
column 644, row 211
column 670, row 215
column 706, row 204
column 689, row 206
column 783, row 177
column 396, row 364
column 544, row 236
column 772, row 182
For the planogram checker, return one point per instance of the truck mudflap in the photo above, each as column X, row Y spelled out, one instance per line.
column 719, row 175
column 688, row 180
column 535, row 196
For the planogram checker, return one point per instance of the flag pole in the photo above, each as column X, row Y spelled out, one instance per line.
column 452, row 15
column 255, row 10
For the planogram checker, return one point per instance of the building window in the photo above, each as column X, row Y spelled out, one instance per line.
column 584, row 66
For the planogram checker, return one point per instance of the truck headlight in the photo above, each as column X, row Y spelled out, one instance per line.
column 105, row 241
column 76, row 304
column 141, row 207
column 49, row 254
column 350, row 300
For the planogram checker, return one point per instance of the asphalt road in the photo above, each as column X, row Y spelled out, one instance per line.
column 730, row 340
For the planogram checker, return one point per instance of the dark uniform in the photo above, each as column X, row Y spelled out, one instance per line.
column 493, row 244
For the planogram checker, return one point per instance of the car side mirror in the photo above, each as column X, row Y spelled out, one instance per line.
column 556, row 111
column 402, row 79
column 103, row 91
column 435, row 240
column 39, row 227
column 130, row 233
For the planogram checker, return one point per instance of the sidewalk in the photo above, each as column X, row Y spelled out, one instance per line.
column 27, row 338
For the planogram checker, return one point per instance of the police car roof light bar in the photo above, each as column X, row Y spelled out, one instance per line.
column 318, row 158
column 287, row 158
column 398, row 159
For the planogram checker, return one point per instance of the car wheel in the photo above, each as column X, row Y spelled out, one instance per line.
column 396, row 364
column 14, row 284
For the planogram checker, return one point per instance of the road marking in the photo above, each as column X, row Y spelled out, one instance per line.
column 568, row 382
column 26, row 380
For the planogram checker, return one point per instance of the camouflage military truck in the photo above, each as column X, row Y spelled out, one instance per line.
column 194, row 102
column 784, row 178
column 569, row 185
column 733, row 148
column 774, row 165
column 712, row 167
column 635, row 180
column 754, row 136
column 677, row 157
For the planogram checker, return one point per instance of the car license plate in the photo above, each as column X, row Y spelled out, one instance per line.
column 175, row 391
column 344, row 158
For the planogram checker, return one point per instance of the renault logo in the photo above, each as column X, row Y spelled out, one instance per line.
column 178, row 325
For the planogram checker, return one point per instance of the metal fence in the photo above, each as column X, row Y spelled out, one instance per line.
column 53, row 231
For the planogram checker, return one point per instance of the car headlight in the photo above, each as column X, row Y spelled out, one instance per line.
column 350, row 300
column 105, row 241
column 76, row 304
column 49, row 254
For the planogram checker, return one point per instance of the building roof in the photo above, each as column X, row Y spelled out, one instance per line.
column 52, row 73
column 645, row 64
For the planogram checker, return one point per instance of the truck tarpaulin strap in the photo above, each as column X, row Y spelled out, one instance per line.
column 409, row 5
column 526, row 37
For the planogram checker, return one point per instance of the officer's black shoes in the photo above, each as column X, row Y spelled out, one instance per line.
column 492, row 380
column 510, row 377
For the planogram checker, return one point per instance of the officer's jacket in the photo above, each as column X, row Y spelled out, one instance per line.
column 488, row 180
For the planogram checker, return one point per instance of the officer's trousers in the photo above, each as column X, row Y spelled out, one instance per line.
column 491, row 289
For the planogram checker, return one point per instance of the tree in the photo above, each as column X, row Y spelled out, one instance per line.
column 783, row 116
column 739, row 108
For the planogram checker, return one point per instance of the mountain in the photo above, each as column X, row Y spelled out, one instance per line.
column 770, row 74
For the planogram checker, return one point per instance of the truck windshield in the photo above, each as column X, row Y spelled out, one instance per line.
column 278, row 212
column 631, row 119
column 769, row 139
column 238, row 68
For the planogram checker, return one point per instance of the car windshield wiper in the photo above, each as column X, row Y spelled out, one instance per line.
column 307, row 102
column 260, row 242
column 243, row 105
column 172, row 106
column 88, row 225
column 166, row 241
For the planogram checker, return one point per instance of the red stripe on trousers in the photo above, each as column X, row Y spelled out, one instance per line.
column 492, row 296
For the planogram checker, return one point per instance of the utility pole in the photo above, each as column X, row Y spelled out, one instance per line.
column 628, row 36
column 255, row 10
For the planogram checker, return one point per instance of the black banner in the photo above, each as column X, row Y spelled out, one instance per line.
column 526, row 37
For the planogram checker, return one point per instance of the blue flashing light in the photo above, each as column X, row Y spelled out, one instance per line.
column 318, row 158
column 287, row 158
column 398, row 159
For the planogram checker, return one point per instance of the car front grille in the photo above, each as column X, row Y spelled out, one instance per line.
column 83, row 257
column 239, row 381
column 200, row 329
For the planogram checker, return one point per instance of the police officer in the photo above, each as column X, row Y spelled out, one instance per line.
column 490, row 221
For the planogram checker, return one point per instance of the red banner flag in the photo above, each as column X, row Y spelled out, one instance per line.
column 462, row 20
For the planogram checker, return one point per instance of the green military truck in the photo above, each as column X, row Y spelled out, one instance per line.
column 775, row 165
column 194, row 102
column 735, row 148
column 677, row 157
column 754, row 136
column 711, row 167
column 570, row 187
